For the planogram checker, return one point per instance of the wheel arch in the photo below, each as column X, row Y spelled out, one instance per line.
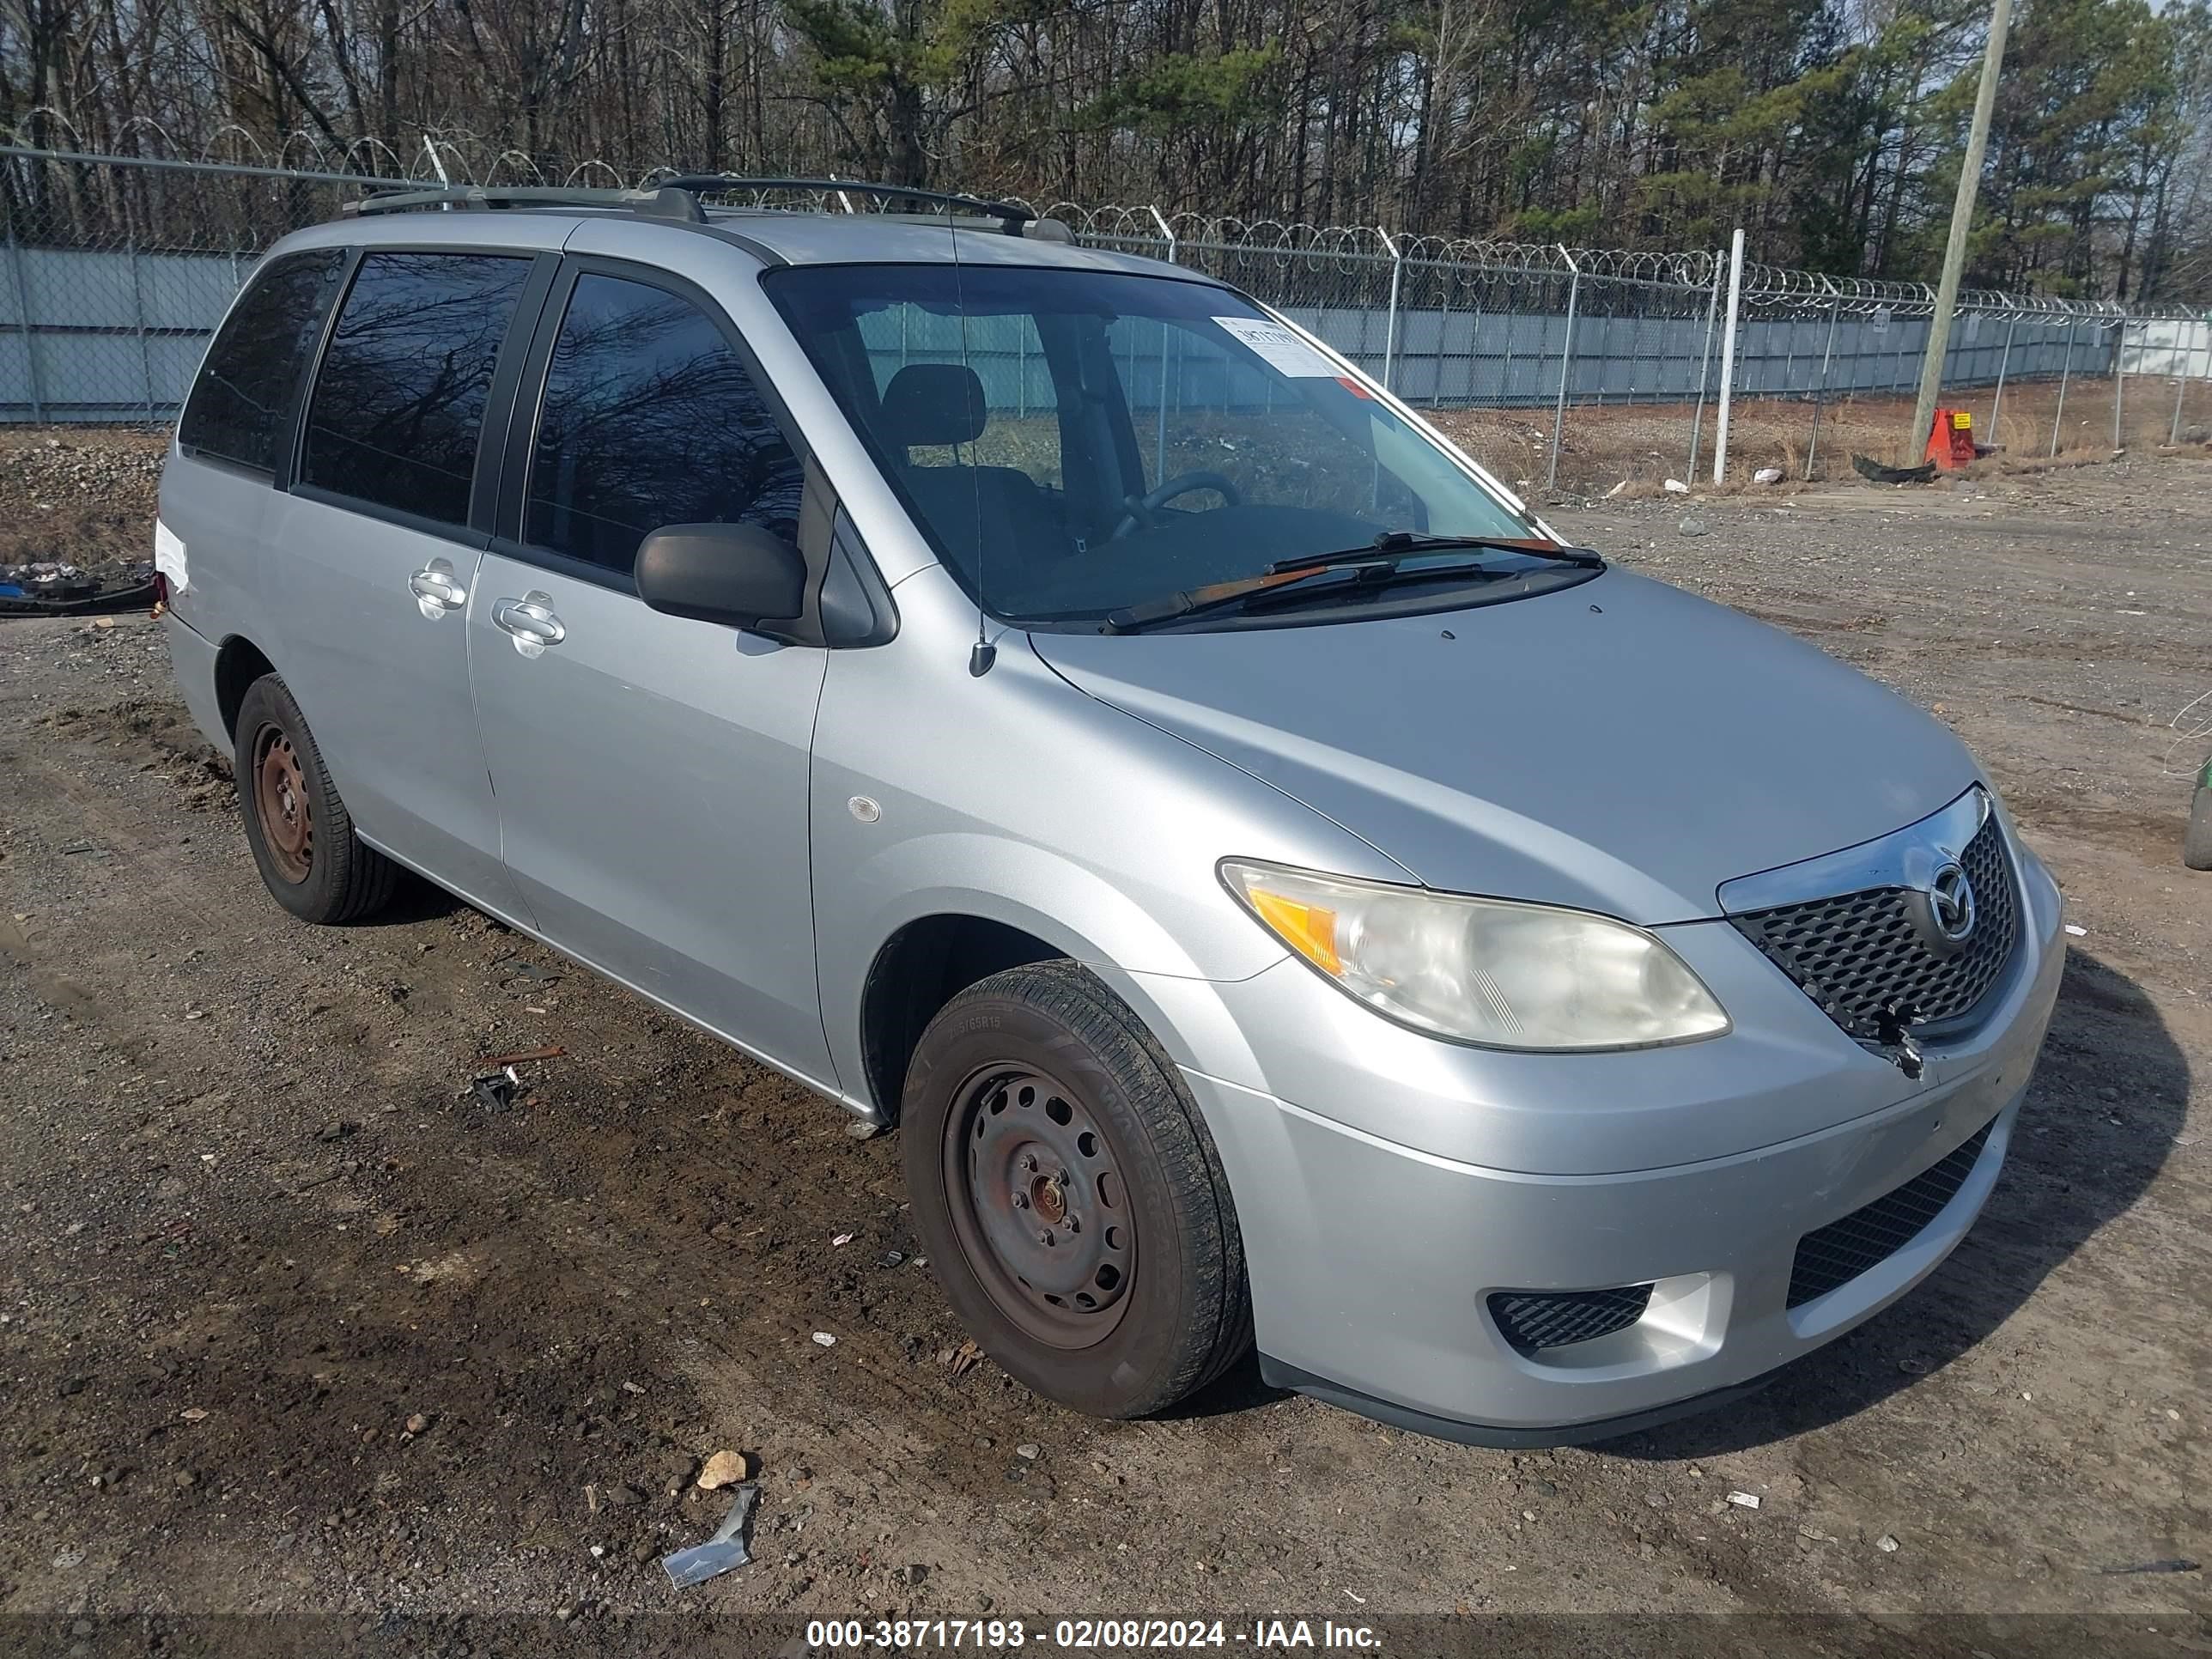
column 923, row 965
column 1006, row 902
column 238, row 663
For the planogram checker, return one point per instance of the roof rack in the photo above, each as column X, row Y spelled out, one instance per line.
column 663, row 202
column 678, row 198
column 1009, row 214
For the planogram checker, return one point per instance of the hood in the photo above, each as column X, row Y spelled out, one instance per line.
column 1620, row 745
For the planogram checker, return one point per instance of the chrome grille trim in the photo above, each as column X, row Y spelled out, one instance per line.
column 1858, row 951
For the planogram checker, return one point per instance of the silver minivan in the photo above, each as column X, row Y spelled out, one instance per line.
column 1048, row 701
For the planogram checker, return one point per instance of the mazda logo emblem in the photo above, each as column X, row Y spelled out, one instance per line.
column 1951, row 902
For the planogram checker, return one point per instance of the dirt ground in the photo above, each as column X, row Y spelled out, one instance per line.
column 293, row 1323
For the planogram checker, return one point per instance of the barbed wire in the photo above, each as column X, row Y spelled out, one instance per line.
column 1223, row 243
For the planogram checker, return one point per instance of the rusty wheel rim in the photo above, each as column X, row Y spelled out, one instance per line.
column 280, row 802
column 1039, row 1206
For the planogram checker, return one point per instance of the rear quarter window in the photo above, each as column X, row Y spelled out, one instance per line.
column 398, row 404
column 239, row 403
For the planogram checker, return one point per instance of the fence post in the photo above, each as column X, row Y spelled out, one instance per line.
column 2196, row 333
column 2180, row 385
column 1566, row 360
column 1390, row 329
column 2119, row 375
column 23, row 322
column 1828, row 355
column 1705, row 363
column 1727, row 355
column 139, row 318
column 1443, row 341
column 2065, row 370
column 1160, row 437
column 2004, row 361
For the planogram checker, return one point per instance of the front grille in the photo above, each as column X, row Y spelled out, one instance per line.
column 1551, row 1319
column 1842, row 1250
column 1859, row 956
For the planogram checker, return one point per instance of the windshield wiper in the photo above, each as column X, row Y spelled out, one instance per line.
column 1384, row 561
column 1393, row 544
column 1282, row 587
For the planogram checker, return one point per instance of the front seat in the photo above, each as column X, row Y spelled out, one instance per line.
column 1000, row 508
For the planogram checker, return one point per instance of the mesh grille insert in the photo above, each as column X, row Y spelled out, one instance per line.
column 1551, row 1319
column 1842, row 1250
column 1859, row 956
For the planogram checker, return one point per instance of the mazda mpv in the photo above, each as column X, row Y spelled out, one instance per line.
column 1048, row 702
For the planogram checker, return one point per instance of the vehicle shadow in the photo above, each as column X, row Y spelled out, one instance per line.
column 2109, row 1094
column 1239, row 1388
column 412, row 900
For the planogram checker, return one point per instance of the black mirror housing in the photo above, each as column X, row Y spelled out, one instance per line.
column 738, row 574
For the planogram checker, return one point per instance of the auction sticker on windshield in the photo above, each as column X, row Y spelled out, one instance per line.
column 1282, row 350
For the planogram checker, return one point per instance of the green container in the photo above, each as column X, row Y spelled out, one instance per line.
column 2196, row 840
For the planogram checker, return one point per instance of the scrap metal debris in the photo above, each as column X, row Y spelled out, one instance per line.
column 729, row 1547
column 496, row 1082
column 1875, row 473
column 47, row 587
column 497, row 1090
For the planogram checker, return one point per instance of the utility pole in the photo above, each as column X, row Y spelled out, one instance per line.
column 1954, row 248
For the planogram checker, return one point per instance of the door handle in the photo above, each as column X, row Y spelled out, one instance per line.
column 530, row 622
column 436, row 590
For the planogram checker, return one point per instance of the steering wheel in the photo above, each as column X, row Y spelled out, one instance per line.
column 1142, row 512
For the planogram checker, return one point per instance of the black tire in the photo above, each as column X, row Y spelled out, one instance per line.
column 1176, row 1309
column 301, row 834
column 2196, row 840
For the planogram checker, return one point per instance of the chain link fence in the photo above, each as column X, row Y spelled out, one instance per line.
column 1573, row 369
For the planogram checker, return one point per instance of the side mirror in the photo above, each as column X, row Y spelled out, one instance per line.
column 736, row 573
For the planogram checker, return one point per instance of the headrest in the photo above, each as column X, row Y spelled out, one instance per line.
column 934, row 403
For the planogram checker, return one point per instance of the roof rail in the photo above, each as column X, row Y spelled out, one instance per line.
column 663, row 202
column 678, row 198
column 1009, row 214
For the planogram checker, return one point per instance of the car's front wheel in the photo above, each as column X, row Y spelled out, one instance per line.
column 1071, row 1201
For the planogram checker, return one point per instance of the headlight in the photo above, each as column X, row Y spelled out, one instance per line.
column 1483, row 971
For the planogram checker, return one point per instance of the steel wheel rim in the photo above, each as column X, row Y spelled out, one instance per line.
column 280, row 802
column 1040, row 1206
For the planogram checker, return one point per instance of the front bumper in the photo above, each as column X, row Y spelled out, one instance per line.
column 1373, row 1261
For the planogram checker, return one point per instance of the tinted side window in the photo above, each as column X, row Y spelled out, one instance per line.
column 650, row 419
column 400, row 400
column 239, row 402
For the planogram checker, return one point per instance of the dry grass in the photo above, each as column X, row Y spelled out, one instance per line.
column 1644, row 444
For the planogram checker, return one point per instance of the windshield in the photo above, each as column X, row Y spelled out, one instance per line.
column 1075, row 442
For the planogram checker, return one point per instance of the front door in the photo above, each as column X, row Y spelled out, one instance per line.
column 374, row 558
column 652, row 770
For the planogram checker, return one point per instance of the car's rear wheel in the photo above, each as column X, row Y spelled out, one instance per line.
column 303, row 837
column 1073, row 1204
